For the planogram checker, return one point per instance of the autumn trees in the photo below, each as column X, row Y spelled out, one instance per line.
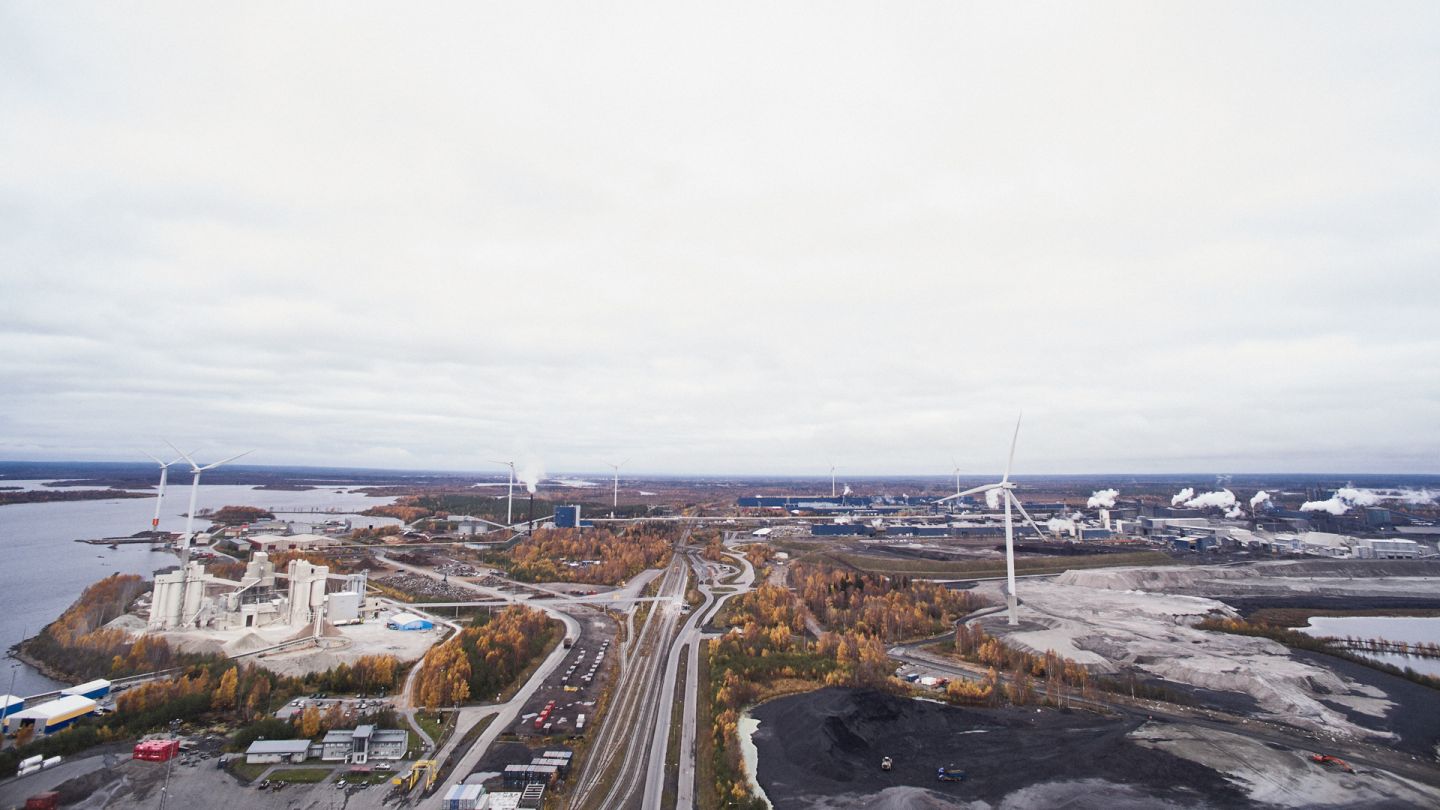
column 483, row 659
column 607, row 557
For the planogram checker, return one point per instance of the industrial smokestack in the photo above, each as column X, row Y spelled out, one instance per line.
column 531, row 519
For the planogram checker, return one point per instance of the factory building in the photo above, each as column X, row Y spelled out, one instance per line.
column 363, row 743
column 568, row 517
column 191, row 598
column 48, row 718
column 1387, row 549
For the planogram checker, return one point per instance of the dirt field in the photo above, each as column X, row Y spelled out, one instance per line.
column 823, row 749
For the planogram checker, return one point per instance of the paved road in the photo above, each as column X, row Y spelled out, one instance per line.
column 685, row 792
column 629, row 720
column 507, row 712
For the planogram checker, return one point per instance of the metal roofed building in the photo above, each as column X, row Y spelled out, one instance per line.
column 264, row 752
column 408, row 621
column 48, row 718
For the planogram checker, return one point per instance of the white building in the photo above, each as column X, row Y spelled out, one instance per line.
column 1387, row 549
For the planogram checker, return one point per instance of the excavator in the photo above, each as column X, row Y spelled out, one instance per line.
column 1329, row 761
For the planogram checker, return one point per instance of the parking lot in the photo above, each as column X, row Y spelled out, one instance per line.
column 564, row 705
column 358, row 707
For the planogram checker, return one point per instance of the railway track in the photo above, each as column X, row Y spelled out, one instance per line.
column 616, row 765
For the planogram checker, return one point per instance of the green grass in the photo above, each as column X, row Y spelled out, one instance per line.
column 301, row 776
column 247, row 771
column 995, row 568
column 431, row 724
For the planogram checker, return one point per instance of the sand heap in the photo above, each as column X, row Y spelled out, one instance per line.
column 1153, row 633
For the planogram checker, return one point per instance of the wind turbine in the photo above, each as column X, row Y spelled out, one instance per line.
column 1007, row 493
column 832, row 480
column 510, row 495
column 196, row 469
column 956, row 471
column 615, row 502
column 160, row 493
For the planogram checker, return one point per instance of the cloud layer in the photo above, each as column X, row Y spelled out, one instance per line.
column 735, row 238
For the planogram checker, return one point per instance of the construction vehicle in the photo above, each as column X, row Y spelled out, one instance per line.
column 429, row 767
column 886, row 764
column 949, row 774
column 1329, row 761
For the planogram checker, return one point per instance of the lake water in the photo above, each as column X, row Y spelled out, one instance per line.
column 45, row 569
column 1410, row 629
column 750, row 755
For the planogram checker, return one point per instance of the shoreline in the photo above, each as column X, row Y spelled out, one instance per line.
column 19, row 653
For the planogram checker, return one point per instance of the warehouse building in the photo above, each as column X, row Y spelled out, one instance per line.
column 94, row 690
column 271, row 543
column 269, row 752
column 48, row 718
column 10, row 704
column 409, row 621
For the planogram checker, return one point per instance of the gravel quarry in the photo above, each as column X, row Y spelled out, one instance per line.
column 1141, row 620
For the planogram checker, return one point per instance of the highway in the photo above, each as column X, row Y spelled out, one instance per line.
column 611, row 777
column 692, row 638
column 507, row 712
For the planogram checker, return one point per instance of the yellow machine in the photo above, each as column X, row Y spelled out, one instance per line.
column 429, row 767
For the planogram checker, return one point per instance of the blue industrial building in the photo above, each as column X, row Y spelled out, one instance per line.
column 93, row 690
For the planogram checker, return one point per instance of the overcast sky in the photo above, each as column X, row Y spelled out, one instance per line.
column 732, row 238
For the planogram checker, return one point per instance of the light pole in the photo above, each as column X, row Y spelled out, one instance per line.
column 170, row 763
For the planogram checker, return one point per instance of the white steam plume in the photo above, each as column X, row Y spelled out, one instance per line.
column 1259, row 498
column 1340, row 502
column 530, row 475
column 1057, row 525
column 1103, row 499
column 1235, row 512
column 847, row 490
column 1182, row 496
column 1223, row 499
column 992, row 498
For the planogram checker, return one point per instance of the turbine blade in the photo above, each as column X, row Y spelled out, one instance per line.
column 1016, row 501
column 227, row 460
column 971, row 491
column 193, row 466
column 152, row 458
column 1013, row 440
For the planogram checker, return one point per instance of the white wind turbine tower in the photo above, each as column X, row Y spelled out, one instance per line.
column 956, row 471
column 196, row 469
column 615, row 498
column 160, row 493
column 510, row 493
column 832, row 480
column 1007, row 493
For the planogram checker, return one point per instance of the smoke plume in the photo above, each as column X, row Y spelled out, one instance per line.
column 1223, row 499
column 1182, row 496
column 530, row 475
column 1259, row 498
column 1104, row 499
column 992, row 498
column 1340, row 502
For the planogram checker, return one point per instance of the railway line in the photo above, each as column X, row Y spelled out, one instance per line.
column 613, row 776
